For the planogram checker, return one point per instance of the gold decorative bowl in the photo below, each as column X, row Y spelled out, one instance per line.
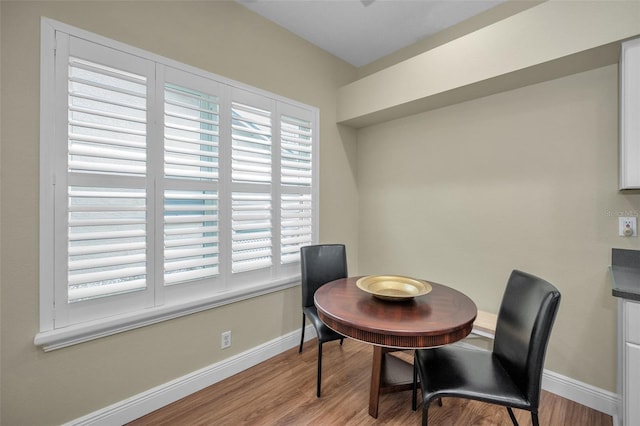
column 393, row 287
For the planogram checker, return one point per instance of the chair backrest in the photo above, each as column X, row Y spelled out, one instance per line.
column 321, row 264
column 524, row 324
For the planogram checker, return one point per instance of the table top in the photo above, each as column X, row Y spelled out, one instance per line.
column 440, row 317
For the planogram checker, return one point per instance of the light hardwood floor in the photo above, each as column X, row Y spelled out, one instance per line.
column 281, row 391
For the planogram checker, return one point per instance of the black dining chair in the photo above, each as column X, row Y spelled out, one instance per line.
column 510, row 375
column 320, row 264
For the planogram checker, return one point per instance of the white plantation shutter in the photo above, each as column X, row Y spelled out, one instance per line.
column 191, row 123
column 191, row 170
column 104, row 185
column 251, row 231
column 296, row 179
column 107, row 119
column 250, row 144
column 107, row 242
column 190, row 235
column 164, row 189
column 251, row 170
column 296, row 145
column 296, row 228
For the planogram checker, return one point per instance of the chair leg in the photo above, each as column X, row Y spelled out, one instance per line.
column 425, row 415
column 341, row 340
column 534, row 419
column 513, row 417
column 319, row 369
column 414, row 395
column 304, row 319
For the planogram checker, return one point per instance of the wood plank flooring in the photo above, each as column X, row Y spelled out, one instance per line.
column 281, row 391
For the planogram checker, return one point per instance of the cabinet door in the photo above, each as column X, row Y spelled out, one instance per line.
column 629, row 112
column 632, row 385
column 632, row 320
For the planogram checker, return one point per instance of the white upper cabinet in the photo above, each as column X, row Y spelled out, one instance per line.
column 630, row 115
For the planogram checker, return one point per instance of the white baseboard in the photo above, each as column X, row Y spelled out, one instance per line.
column 153, row 399
column 582, row 393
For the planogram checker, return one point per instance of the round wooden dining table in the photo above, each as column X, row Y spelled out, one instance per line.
column 442, row 316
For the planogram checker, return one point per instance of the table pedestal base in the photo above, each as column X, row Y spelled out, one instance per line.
column 388, row 374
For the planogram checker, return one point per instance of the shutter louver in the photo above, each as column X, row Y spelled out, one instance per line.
column 107, row 242
column 251, row 231
column 191, row 134
column 190, row 235
column 107, row 120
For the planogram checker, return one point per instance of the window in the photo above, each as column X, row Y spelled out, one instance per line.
column 164, row 189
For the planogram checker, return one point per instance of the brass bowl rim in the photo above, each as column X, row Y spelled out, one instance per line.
column 423, row 287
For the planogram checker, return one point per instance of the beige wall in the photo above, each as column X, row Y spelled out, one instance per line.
column 551, row 40
column 525, row 179
column 491, row 16
column 222, row 37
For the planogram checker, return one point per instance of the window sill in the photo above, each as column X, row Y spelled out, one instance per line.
column 73, row 335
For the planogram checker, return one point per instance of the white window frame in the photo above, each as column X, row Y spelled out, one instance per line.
column 163, row 303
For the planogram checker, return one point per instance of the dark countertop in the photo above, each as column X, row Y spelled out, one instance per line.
column 625, row 273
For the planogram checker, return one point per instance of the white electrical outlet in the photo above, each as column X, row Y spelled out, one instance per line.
column 225, row 340
column 628, row 226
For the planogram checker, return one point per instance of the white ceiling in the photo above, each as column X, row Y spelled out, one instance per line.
column 361, row 31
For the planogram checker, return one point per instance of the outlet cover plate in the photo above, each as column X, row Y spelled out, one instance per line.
column 225, row 340
column 629, row 221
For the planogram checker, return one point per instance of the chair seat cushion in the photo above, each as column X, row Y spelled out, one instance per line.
column 325, row 334
column 466, row 373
